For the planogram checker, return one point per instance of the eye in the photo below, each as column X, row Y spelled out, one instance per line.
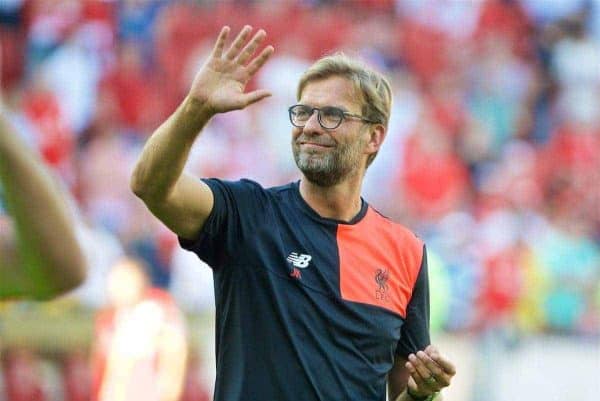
column 331, row 113
column 302, row 112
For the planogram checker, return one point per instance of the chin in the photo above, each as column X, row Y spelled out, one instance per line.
column 321, row 180
column 321, row 177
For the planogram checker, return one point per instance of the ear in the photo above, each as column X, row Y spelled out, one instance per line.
column 377, row 133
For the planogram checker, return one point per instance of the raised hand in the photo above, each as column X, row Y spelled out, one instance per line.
column 429, row 372
column 220, row 84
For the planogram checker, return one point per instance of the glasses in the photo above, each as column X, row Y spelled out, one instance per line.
column 329, row 117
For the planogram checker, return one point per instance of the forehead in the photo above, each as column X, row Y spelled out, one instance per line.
column 332, row 91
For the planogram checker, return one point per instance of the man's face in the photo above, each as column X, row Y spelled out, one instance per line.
column 324, row 156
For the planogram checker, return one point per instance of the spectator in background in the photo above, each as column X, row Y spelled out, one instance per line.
column 140, row 345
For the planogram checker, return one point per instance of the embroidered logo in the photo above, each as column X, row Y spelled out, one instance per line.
column 381, row 278
column 299, row 261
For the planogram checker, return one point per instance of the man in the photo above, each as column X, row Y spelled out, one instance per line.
column 40, row 256
column 318, row 296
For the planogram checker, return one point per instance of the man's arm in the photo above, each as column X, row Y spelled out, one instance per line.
column 180, row 201
column 41, row 257
column 420, row 376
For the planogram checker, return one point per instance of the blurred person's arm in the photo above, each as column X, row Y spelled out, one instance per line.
column 406, row 380
column 179, row 200
column 41, row 257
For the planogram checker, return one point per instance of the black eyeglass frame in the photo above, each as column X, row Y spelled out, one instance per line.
column 343, row 115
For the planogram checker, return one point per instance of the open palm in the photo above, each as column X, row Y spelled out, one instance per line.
column 220, row 84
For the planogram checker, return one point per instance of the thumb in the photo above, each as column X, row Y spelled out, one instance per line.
column 412, row 384
column 254, row 96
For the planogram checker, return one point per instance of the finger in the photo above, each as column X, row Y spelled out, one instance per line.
column 239, row 41
column 444, row 363
column 431, row 350
column 220, row 43
column 414, row 375
column 437, row 372
column 431, row 365
column 423, row 376
column 251, row 47
column 260, row 60
column 416, row 381
column 253, row 97
column 434, row 354
column 411, row 368
column 411, row 384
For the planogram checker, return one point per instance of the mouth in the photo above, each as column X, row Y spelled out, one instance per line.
column 314, row 145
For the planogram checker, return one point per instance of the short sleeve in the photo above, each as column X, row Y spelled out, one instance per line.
column 415, row 330
column 238, row 206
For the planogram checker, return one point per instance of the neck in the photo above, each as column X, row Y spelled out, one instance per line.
column 340, row 201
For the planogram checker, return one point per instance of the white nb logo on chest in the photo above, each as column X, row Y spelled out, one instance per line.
column 299, row 260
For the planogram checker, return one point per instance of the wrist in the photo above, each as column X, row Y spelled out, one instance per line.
column 196, row 109
column 190, row 118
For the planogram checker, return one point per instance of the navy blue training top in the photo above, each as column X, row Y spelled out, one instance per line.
column 308, row 308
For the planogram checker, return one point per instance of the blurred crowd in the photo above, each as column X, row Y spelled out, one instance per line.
column 492, row 154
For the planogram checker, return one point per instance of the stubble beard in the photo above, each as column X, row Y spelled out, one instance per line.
column 328, row 168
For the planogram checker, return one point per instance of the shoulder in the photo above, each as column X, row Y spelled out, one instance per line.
column 241, row 185
column 246, row 189
column 399, row 239
column 282, row 190
column 392, row 227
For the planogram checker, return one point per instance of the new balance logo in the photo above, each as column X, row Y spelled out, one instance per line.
column 299, row 260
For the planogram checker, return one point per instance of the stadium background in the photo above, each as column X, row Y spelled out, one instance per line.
column 493, row 157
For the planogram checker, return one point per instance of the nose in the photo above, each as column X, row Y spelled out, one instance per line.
column 312, row 124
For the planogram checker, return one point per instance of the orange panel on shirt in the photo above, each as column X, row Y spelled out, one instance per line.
column 379, row 262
